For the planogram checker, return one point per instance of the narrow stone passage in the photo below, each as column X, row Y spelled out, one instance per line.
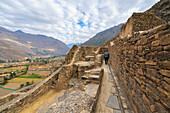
column 105, row 93
column 112, row 98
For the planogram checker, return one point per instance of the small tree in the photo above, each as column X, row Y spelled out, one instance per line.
column 27, row 83
column 11, row 75
column 22, row 85
column 14, row 74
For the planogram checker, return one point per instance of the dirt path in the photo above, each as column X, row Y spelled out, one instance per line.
column 42, row 104
column 105, row 93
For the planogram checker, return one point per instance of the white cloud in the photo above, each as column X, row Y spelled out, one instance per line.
column 60, row 18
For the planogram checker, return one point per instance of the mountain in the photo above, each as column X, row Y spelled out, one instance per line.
column 71, row 44
column 103, row 36
column 19, row 31
column 17, row 45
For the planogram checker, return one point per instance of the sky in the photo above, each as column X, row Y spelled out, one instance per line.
column 70, row 21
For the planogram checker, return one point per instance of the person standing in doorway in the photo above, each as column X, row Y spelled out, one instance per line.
column 106, row 57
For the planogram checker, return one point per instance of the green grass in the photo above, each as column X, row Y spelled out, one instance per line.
column 8, row 88
column 31, row 76
column 59, row 60
column 18, row 71
column 11, row 69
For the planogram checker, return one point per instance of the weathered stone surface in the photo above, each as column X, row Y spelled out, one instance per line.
column 84, row 111
column 146, row 99
column 167, row 80
column 152, row 108
column 151, row 63
column 91, row 90
column 166, row 48
column 75, row 102
column 163, row 91
column 165, row 40
column 166, row 86
column 113, row 90
column 116, row 111
column 164, row 64
column 165, row 72
column 89, row 58
column 155, row 43
column 144, row 72
column 113, row 102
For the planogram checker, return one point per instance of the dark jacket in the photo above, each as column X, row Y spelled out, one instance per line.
column 106, row 55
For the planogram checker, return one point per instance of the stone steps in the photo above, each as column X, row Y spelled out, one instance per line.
column 92, row 75
column 89, row 58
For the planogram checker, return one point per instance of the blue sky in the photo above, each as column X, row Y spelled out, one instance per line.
column 70, row 21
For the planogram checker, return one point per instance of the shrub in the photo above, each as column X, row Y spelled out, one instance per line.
column 2, row 61
column 22, row 85
column 27, row 83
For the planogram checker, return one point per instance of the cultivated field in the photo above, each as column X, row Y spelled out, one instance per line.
column 21, row 74
column 4, row 92
column 24, row 80
column 12, row 85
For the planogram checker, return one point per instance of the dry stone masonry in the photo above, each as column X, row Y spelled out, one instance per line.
column 141, row 62
column 78, row 62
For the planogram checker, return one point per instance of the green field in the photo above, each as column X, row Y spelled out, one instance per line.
column 30, row 76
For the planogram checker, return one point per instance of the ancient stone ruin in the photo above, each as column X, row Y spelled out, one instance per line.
column 135, row 81
column 81, row 74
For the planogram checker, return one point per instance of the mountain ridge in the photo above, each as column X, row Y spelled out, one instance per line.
column 103, row 36
column 26, row 44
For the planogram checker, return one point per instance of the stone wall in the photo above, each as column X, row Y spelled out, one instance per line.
column 70, row 55
column 11, row 96
column 141, row 62
column 15, row 102
column 85, row 51
column 140, row 22
column 103, row 50
column 18, row 103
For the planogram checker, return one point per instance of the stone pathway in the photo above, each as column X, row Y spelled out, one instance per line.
column 111, row 98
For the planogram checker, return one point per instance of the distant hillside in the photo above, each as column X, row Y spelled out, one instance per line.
column 103, row 36
column 161, row 9
column 17, row 45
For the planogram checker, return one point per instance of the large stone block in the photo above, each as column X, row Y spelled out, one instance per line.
column 155, row 43
column 167, row 80
column 166, row 48
column 163, row 55
column 164, row 64
column 146, row 99
column 166, row 86
column 151, row 63
column 162, row 91
column 165, row 40
column 165, row 72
